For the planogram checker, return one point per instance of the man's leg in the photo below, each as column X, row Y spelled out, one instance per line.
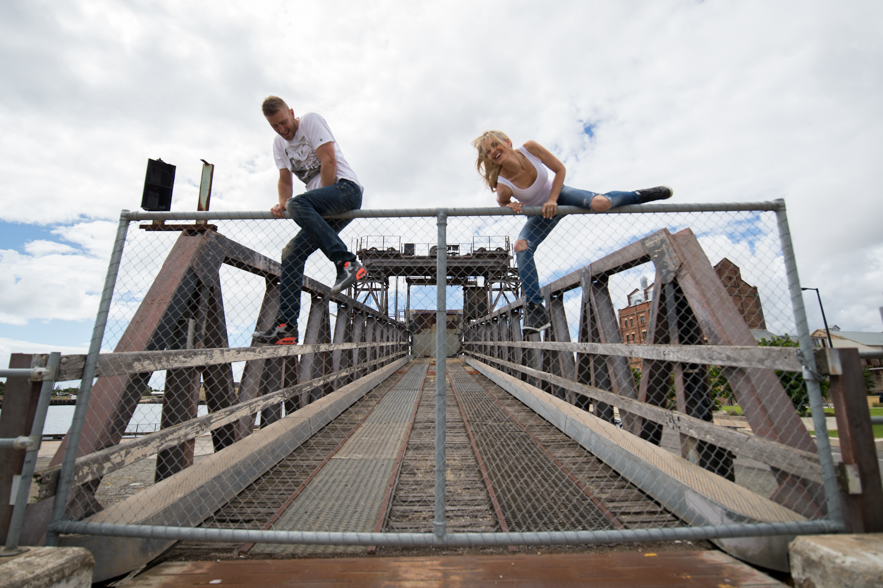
column 294, row 257
column 316, row 233
column 307, row 211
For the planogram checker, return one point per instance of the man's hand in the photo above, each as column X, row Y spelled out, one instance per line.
column 285, row 188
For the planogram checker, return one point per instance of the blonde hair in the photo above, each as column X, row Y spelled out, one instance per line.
column 489, row 170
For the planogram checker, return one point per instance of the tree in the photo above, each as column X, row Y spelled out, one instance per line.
column 869, row 380
column 719, row 386
column 670, row 397
column 793, row 382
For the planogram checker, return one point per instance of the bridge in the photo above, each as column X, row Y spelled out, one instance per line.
column 347, row 444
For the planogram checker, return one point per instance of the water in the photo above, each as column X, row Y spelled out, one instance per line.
column 145, row 419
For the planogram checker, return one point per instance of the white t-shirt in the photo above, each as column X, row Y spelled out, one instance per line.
column 537, row 193
column 299, row 154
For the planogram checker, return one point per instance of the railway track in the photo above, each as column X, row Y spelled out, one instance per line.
column 507, row 470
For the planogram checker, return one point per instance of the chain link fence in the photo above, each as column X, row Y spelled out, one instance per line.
column 663, row 394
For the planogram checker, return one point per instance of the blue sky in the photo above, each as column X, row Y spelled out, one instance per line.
column 727, row 101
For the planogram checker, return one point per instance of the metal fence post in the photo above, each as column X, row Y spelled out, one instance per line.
column 810, row 371
column 441, row 324
column 27, row 471
column 862, row 501
column 70, row 455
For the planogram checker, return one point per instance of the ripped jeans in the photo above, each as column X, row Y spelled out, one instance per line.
column 537, row 228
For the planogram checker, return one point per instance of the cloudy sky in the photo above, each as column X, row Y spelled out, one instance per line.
column 726, row 101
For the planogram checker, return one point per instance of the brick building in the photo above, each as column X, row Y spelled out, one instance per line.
column 634, row 319
column 744, row 295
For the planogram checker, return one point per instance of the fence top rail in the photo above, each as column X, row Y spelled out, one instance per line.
column 775, row 205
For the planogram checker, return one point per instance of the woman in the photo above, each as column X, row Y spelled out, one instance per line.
column 524, row 174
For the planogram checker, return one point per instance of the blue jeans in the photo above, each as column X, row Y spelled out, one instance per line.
column 537, row 228
column 315, row 233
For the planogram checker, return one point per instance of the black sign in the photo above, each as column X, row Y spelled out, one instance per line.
column 158, row 185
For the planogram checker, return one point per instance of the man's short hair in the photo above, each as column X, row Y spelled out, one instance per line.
column 272, row 105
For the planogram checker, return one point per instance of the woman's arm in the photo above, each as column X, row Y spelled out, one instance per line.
column 552, row 162
column 504, row 198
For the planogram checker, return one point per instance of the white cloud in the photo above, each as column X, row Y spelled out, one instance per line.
column 726, row 101
column 52, row 280
column 42, row 248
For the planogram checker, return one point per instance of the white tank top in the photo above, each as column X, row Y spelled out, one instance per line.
column 538, row 193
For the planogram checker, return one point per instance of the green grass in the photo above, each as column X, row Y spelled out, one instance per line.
column 878, row 432
column 732, row 410
column 874, row 412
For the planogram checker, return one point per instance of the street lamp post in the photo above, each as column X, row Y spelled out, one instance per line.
column 824, row 320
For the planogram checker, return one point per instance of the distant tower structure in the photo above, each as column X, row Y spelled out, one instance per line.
column 483, row 268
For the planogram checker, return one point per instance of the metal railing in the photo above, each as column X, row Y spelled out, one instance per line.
column 546, row 371
column 31, row 444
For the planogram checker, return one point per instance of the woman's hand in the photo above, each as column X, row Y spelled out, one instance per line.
column 515, row 205
column 549, row 209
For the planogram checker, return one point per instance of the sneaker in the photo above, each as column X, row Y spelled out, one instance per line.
column 535, row 319
column 348, row 272
column 657, row 193
column 278, row 334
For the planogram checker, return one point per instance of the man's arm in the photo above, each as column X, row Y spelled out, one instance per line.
column 286, row 189
column 328, row 172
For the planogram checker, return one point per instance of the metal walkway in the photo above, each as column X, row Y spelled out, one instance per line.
column 348, row 492
column 372, row 469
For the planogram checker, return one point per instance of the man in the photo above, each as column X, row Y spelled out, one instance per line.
column 306, row 148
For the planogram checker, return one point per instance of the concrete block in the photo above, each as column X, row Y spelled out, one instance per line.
column 841, row 561
column 44, row 567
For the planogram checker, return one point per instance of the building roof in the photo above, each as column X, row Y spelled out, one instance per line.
column 862, row 338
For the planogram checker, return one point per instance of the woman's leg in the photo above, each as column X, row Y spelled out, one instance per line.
column 610, row 200
column 576, row 197
column 605, row 202
column 535, row 230
column 597, row 202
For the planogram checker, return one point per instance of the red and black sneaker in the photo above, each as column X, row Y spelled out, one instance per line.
column 348, row 273
column 279, row 334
